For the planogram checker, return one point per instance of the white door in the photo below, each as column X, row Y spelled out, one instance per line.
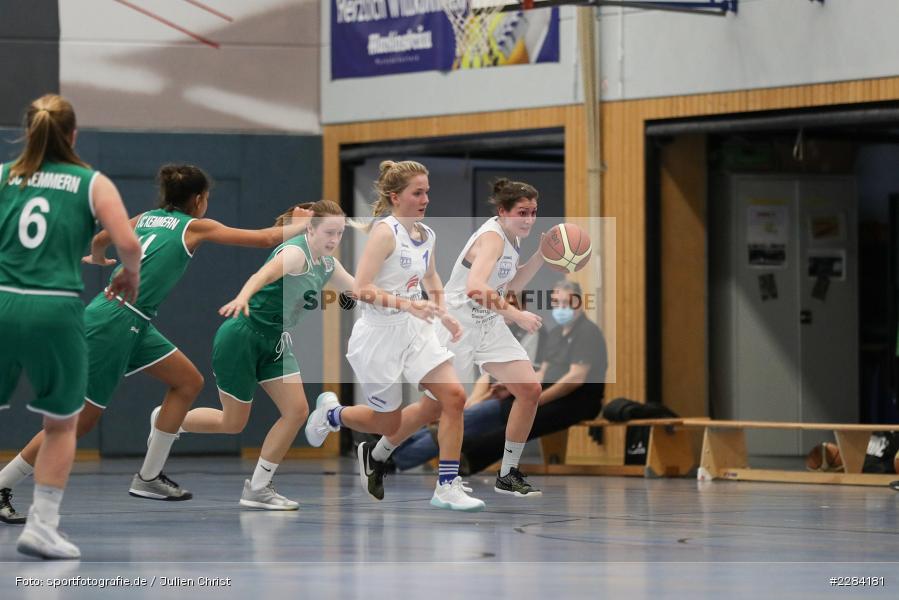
column 828, row 292
column 766, row 372
column 790, row 341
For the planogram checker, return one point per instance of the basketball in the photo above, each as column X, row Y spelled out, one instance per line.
column 566, row 248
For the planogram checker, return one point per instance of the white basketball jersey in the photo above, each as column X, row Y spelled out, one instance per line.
column 503, row 271
column 402, row 272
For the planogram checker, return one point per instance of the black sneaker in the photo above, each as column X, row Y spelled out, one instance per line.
column 515, row 484
column 371, row 472
column 893, row 484
column 7, row 513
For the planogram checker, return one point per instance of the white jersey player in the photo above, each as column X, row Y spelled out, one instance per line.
column 395, row 339
column 487, row 269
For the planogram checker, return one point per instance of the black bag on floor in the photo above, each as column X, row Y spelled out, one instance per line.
column 621, row 410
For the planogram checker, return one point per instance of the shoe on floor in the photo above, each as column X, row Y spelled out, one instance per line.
column 453, row 496
column 515, row 483
column 8, row 514
column 266, row 498
column 161, row 488
column 42, row 540
column 371, row 472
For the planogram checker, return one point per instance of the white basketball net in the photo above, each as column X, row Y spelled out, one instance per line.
column 471, row 22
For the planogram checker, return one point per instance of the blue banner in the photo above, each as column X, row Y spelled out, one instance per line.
column 385, row 37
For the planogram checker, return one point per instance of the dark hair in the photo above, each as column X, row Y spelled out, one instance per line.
column 179, row 184
column 572, row 287
column 506, row 193
column 322, row 209
column 49, row 125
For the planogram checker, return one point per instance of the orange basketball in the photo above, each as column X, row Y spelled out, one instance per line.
column 566, row 248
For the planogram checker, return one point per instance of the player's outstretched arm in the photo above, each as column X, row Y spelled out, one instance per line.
column 210, row 230
column 341, row 280
column 290, row 260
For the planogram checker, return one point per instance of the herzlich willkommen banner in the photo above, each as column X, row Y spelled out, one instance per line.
column 384, row 37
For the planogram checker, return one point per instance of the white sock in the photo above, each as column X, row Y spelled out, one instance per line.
column 46, row 503
column 15, row 471
column 157, row 454
column 511, row 456
column 383, row 450
column 263, row 474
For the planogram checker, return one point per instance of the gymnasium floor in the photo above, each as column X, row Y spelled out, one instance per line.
column 587, row 537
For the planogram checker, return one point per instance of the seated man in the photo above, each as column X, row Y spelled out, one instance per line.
column 573, row 362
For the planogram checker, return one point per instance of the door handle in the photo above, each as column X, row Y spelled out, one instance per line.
column 805, row 317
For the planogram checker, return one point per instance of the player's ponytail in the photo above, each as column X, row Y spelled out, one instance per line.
column 179, row 185
column 505, row 193
column 49, row 131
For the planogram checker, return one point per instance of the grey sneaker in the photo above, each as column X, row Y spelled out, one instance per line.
column 161, row 488
column 317, row 426
column 43, row 540
column 7, row 513
column 266, row 498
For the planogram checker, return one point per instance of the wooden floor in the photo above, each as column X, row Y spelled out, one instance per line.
column 587, row 537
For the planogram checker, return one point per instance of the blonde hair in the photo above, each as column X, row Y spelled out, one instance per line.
column 321, row 209
column 393, row 179
column 49, row 125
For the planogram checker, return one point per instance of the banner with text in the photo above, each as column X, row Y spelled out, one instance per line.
column 385, row 37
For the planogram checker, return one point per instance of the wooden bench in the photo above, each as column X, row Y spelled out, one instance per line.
column 671, row 451
column 724, row 452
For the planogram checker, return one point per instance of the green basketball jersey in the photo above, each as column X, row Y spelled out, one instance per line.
column 282, row 303
column 164, row 257
column 45, row 228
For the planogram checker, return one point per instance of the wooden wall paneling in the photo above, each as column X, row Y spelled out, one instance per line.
column 623, row 187
column 683, row 276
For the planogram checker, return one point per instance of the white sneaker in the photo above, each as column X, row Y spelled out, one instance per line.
column 317, row 426
column 453, row 496
column 266, row 498
column 42, row 540
column 153, row 416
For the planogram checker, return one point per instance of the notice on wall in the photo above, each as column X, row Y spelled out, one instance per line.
column 827, row 228
column 767, row 287
column 830, row 263
column 767, row 235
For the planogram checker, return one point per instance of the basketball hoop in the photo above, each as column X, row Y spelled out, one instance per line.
column 471, row 21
